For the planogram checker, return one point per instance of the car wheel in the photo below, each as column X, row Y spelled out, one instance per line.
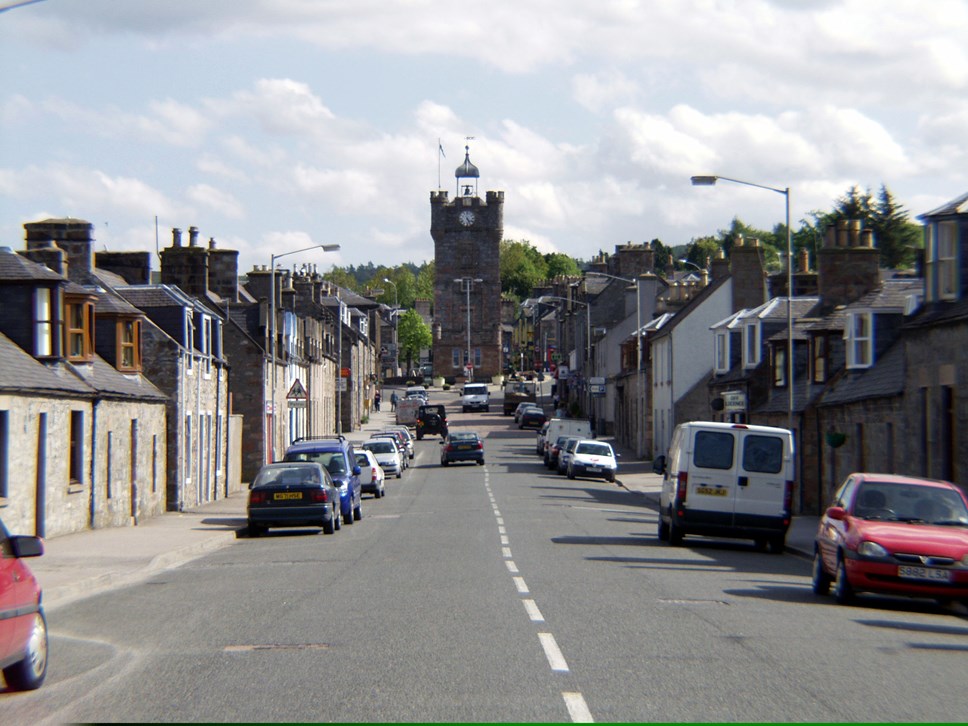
column 329, row 526
column 29, row 673
column 481, row 462
column 821, row 580
column 399, row 474
column 843, row 592
column 487, row 409
column 777, row 545
column 337, row 521
column 256, row 530
column 610, row 476
column 663, row 530
column 444, row 462
column 571, row 473
column 419, row 437
column 358, row 512
column 347, row 517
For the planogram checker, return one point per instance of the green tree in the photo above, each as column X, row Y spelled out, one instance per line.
column 342, row 277
column 413, row 335
column 560, row 264
column 424, row 286
column 522, row 268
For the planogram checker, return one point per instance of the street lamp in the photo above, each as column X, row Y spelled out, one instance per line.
column 467, row 283
column 272, row 323
column 684, row 261
column 638, row 346
column 710, row 181
column 391, row 282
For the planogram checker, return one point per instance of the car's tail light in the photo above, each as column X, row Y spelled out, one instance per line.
column 787, row 502
column 256, row 497
column 373, row 474
column 480, row 445
column 682, row 489
column 320, row 496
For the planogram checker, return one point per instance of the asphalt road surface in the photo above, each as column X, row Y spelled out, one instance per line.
column 495, row 593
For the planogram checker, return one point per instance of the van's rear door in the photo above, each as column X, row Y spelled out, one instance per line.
column 712, row 476
column 763, row 459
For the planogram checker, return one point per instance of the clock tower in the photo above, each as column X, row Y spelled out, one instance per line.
column 467, row 234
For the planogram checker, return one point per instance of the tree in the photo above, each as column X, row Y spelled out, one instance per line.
column 425, row 281
column 560, row 264
column 413, row 335
column 522, row 268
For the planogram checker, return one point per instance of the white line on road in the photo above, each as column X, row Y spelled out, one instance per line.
column 522, row 587
column 532, row 609
column 577, row 708
column 505, row 540
column 512, row 568
column 555, row 659
column 506, row 552
column 502, row 530
column 500, row 520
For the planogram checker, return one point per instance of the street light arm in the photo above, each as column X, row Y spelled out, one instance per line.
column 708, row 181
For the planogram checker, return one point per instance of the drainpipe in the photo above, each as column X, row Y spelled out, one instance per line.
column 92, row 503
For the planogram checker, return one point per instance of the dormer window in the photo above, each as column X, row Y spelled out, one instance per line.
column 819, row 354
column 129, row 345
column 44, row 322
column 751, row 345
column 79, row 331
column 948, row 261
column 779, row 366
column 859, row 338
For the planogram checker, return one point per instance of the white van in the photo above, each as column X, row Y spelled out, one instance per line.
column 475, row 397
column 727, row 480
column 577, row 427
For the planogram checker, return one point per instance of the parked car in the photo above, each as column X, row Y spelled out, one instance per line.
column 337, row 456
column 372, row 476
column 541, row 435
column 23, row 625
column 399, row 442
column 564, row 427
column 387, row 455
column 554, row 451
column 431, row 420
column 592, row 458
column 894, row 535
column 522, row 407
column 564, row 453
column 461, row 446
column 293, row 494
column 727, row 480
column 408, row 437
column 532, row 418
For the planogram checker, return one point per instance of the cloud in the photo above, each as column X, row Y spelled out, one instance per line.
column 216, row 200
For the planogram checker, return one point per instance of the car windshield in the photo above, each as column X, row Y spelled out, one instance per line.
column 897, row 501
column 287, row 475
column 332, row 460
column 593, row 449
column 463, row 437
column 380, row 447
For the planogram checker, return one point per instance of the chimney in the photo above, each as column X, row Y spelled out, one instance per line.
column 848, row 265
column 185, row 267
column 223, row 272
column 73, row 236
column 719, row 267
column 175, row 237
column 134, row 267
column 193, row 236
column 749, row 274
column 45, row 252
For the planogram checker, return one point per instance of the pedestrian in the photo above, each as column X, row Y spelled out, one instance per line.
column 393, row 401
column 376, row 401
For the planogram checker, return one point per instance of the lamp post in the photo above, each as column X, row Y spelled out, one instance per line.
column 272, row 324
column 638, row 346
column 467, row 283
column 710, row 181
column 391, row 282
column 684, row 261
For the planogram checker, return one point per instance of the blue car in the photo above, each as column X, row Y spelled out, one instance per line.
column 337, row 455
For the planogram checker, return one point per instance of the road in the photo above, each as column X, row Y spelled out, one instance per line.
column 494, row 593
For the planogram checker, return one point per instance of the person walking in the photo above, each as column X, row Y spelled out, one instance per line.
column 393, row 401
column 376, row 401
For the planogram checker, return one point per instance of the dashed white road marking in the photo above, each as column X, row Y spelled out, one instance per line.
column 577, row 708
column 555, row 659
column 505, row 540
column 521, row 585
column 506, row 552
column 502, row 530
column 500, row 520
column 532, row 609
column 512, row 568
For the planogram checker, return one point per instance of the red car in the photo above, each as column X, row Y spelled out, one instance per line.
column 895, row 535
column 23, row 627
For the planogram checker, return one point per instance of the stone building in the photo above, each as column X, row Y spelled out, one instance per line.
column 467, row 234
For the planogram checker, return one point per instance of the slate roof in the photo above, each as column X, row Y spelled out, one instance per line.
column 958, row 205
column 111, row 383
column 885, row 378
column 890, row 297
column 24, row 374
column 15, row 267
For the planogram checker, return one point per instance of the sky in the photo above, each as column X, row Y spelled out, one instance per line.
column 275, row 125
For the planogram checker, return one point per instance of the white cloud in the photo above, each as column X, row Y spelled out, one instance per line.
column 217, row 200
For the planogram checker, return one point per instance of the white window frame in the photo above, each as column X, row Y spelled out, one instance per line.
column 190, row 340
column 43, row 322
column 859, row 339
column 751, row 344
column 947, row 261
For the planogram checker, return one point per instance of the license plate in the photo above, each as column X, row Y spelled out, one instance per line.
column 287, row 495
column 464, row 447
column 712, row 491
column 593, row 469
column 931, row 574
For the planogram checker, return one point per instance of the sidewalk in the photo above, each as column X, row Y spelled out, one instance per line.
column 85, row 563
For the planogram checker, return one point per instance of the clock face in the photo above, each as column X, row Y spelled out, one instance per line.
column 466, row 218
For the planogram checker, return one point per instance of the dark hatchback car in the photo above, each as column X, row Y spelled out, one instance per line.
column 462, row 446
column 23, row 627
column 532, row 418
column 431, row 420
column 338, row 457
column 293, row 494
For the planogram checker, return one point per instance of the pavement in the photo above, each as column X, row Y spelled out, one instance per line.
column 78, row 565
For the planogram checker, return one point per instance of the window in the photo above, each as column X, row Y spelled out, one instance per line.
column 860, row 340
column 751, row 347
column 108, row 491
column 77, row 447
column 207, row 343
column 948, row 261
column 129, row 345
column 722, row 351
column 477, row 357
column 189, row 341
column 779, row 367
column 4, row 454
column 763, row 454
column 819, row 353
column 43, row 323
column 457, row 357
column 713, row 450
column 79, row 331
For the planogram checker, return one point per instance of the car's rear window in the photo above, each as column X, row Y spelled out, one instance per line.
column 380, row 447
column 281, row 475
column 763, row 454
column 334, row 461
column 713, row 450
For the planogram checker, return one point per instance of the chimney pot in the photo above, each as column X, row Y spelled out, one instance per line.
column 175, row 237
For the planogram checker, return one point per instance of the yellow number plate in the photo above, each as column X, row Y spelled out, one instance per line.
column 287, row 495
column 712, row 491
